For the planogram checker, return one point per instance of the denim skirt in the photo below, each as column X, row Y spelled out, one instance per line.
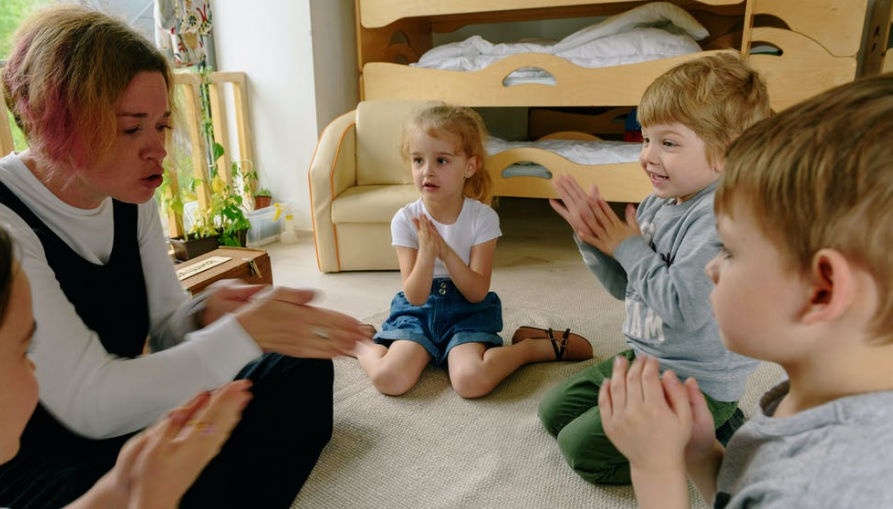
column 446, row 320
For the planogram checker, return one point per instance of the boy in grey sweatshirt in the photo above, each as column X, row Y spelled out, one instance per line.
column 804, row 280
column 655, row 261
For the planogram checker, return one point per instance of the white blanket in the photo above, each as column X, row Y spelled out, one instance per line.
column 649, row 32
column 588, row 152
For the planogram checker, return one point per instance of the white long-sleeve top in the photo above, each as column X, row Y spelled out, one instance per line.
column 91, row 391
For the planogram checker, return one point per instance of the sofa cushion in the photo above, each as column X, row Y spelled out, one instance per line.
column 371, row 204
column 379, row 132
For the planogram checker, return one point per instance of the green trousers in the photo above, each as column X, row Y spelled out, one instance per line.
column 570, row 413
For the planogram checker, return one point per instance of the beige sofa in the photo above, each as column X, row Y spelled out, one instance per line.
column 358, row 181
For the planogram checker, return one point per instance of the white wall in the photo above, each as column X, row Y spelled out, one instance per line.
column 290, row 98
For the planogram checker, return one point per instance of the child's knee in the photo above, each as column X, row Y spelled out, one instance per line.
column 595, row 460
column 393, row 382
column 550, row 413
column 470, row 382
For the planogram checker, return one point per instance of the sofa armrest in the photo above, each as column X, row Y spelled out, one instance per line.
column 333, row 169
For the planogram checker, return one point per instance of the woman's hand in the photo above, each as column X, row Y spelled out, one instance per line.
column 228, row 295
column 281, row 321
column 156, row 467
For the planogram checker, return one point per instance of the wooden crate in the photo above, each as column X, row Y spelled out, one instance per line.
column 250, row 265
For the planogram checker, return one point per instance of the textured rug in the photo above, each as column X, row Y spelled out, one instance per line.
column 432, row 449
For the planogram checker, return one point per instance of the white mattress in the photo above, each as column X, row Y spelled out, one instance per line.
column 583, row 152
column 649, row 32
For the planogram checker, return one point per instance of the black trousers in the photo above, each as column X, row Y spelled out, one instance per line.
column 264, row 464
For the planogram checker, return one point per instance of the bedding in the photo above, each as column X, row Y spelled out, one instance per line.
column 583, row 152
column 649, row 32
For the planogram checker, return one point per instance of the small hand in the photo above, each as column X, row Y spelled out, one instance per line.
column 427, row 233
column 703, row 434
column 439, row 243
column 156, row 467
column 574, row 204
column 592, row 218
column 281, row 321
column 646, row 418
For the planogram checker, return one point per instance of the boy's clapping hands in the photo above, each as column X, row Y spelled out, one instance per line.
column 657, row 423
column 591, row 217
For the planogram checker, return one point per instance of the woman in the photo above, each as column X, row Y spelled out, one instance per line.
column 93, row 99
column 154, row 467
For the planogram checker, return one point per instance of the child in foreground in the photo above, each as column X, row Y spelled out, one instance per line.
column 445, row 242
column 804, row 280
column 655, row 261
column 154, row 468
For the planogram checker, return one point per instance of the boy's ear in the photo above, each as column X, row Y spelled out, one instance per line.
column 831, row 287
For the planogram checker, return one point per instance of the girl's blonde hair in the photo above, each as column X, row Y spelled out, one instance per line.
column 68, row 67
column 466, row 128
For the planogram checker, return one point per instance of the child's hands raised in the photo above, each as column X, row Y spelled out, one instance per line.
column 157, row 466
column 171, row 455
column 703, row 433
column 431, row 244
column 648, row 419
column 591, row 217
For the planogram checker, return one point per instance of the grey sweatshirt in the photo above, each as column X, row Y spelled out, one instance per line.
column 660, row 274
column 832, row 456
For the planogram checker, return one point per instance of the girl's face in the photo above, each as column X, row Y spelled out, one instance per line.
column 132, row 170
column 674, row 158
column 18, row 386
column 439, row 167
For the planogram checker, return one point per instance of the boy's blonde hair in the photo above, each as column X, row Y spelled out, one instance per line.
column 466, row 129
column 818, row 175
column 67, row 69
column 717, row 97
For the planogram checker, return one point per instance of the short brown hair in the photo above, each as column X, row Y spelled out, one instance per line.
column 716, row 96
column 467, row 128
column 818, row 176
column 67, row 69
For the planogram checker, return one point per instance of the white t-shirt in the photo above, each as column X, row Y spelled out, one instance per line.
column 91, row 391
column 477, row 223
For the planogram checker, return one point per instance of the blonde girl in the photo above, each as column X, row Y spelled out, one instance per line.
column 445, row 242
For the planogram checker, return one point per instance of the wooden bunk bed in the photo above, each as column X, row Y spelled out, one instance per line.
column 817, row 47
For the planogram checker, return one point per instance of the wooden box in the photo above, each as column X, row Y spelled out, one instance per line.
column 250, row 265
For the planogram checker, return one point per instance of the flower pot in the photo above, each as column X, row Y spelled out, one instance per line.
column 262, row 201
column 241, row 237
column 185, row 249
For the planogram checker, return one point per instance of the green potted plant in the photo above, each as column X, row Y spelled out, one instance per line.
column 262, row 198
column 222, row 221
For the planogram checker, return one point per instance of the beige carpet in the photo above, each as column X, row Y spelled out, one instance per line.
column 432, row 449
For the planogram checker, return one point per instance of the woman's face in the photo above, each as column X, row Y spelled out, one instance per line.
column 132, row 170
column 18, row 386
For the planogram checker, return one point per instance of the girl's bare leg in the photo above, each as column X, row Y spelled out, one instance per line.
column 393, row 370
column 476, row 370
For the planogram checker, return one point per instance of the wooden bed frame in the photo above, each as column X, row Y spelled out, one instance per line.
column 819, row 47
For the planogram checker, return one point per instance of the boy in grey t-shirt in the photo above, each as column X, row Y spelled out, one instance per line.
column 804, row 280
column 655, row 261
